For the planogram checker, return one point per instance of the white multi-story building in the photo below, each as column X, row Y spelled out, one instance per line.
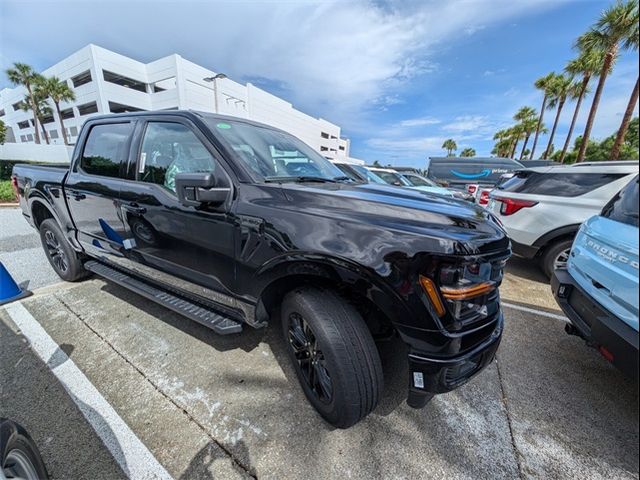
column 107, row 82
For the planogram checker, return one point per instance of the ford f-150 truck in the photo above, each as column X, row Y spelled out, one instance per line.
column 232, row 223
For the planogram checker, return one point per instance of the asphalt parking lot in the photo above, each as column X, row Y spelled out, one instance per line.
column 181, row 401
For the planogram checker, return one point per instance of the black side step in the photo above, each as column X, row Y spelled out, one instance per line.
column 208, row 318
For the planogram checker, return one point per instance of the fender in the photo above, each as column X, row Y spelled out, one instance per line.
column 36, row 197
column 548, row 237
column 336, row 270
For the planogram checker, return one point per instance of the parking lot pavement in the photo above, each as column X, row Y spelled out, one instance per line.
column 21, row 252
column 221, row 407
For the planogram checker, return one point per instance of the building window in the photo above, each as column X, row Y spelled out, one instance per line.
column 53, row 134
column 333, row 137
column 29, row 137
column 323, row 149
column 341, row 148
column 2, row 112
column 81, row 79
column 17, row 106
column 23, row 138
column 124, row 81
column 66, row 114
column 120, row 108
column 324, row 135
column 48, row 119
column 24, row 124
column 87, row 108
column 73, row 132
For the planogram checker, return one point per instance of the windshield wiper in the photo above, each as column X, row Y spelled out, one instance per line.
column 299, row 178
column 343, row 178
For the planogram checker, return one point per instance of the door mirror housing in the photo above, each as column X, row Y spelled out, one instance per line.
column 195, row 189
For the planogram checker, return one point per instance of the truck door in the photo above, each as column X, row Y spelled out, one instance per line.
column 92, row 187
column 193, row 244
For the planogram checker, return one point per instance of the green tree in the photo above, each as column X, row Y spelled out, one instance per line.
column 528, row 119
column 450, row 146
column 561, row 87
column 543, row 84
column 468, row 152
column 587, row 64
column 617, row 27
column 58, row 91
column 376, row 164
column 22, row 74
column 3, row 132
column 42, row 109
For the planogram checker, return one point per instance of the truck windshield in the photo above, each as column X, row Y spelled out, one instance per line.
column 274, row 155
column 368, row 174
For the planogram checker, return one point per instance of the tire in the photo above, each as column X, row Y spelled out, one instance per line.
column 19, row 456
column 65, row 260
column 552, row 255
column 335, row 337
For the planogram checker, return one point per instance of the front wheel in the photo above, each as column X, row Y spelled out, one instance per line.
column 65, row 260
column 333, row 354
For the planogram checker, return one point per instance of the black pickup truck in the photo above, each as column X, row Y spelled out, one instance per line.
column 233, row 223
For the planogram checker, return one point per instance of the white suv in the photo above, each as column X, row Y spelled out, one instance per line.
column 543, row 208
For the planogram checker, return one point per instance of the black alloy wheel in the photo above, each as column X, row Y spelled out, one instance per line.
column 310, row 358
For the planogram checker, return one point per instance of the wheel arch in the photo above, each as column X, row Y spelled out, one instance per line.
column 549, row 238
column 375, row 301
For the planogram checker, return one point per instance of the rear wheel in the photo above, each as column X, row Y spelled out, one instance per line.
column 65, row 260
column 556, row 256
column 333, row 354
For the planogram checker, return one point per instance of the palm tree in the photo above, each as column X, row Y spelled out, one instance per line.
column 42, row 110
column 527, row 116
column 503, row 143
column 544, row 84
column 23, row 74
column 624, row 126
column 517, row 134
column 468, row 152
column 617, row 26
column 588, row 64
column 561, row 88
column 58, row 91
column 450, row 146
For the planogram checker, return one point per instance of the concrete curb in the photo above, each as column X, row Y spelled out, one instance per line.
column 9, row 205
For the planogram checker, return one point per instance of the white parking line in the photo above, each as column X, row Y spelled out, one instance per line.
column 542, row 313
column 131, row 454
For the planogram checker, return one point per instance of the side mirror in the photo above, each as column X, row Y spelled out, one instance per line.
column 194, row 189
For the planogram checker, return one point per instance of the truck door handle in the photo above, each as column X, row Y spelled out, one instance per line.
column 135, row 208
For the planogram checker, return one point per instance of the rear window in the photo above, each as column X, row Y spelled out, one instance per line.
column 558, row 184
column 106, row 149
column 623, row 207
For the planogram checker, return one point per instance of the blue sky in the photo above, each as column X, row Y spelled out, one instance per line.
column 398, row 76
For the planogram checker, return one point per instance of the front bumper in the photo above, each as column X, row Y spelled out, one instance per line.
column 434, row 374
column 596, row 325
column 524, row 251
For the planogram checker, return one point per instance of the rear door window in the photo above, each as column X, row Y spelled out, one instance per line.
column 106, row 150
column 558, row 184
column 623, row 207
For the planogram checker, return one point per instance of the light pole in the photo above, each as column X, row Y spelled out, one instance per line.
column 215, row 87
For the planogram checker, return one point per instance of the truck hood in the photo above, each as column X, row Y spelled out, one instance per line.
column 429, row 222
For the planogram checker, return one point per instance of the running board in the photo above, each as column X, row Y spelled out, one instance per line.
column 208, row 318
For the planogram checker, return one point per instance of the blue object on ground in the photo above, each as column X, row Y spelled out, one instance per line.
column 9, row 289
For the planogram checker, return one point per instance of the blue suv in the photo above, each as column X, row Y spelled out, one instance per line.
column 598, row 290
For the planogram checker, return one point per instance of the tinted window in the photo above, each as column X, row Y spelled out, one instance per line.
column 624, row 206
column 368, row 174
column 392, row 178
column 558, row 184
column 107, row 149
column 169, row 149
column 348, row 172
column 419, row 181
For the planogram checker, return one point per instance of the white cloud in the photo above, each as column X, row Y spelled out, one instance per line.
column 419, row 122
column 475, row 124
